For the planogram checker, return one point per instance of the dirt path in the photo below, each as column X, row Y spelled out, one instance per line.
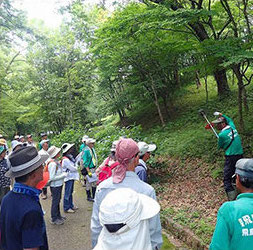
column 75, row 233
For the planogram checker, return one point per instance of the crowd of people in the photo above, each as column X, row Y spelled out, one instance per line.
column 125, row 212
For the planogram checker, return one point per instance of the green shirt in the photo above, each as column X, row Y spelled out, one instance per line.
column 88, row 158
column 82, row 147
column 234, row 227
column 225, row 137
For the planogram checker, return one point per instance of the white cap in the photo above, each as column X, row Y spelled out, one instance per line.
column 144, row 147
column 16, row 137
column 90, row 140
column 85, row 137
column 124, row 205
column 43, row 141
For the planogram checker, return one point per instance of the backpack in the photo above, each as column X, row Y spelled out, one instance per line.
column 46, row 181
column 106, row 171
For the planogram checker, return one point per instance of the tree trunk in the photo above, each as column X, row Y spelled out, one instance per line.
column 198, row 83
column 222, row 83
column 157, row 103
column 206, row 88
column 238, row 75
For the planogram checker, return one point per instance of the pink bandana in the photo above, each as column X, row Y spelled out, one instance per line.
column 126, row 149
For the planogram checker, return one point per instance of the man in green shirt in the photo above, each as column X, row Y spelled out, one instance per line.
column 234, row 227
column 230, row 141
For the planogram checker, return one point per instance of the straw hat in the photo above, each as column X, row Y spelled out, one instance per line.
column 53, row 151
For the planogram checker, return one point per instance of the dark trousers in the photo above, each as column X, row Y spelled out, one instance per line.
column 229, row 171
column 68, row 197
column 44, row 191
column 56, row 198
column 3, row 192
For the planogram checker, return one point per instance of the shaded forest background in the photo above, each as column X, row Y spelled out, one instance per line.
column 142, row 69
column 100, row 63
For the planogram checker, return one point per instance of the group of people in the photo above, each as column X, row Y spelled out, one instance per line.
column 125, row 211
column 21, row 219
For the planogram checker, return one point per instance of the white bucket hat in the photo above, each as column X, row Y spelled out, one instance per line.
column 66, row 147
column 53, row 151
column 144, row 147
column 126, row 206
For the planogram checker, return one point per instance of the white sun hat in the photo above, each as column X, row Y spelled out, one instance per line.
column 127, row 207
column 53, row 151
column 66, row 147
column 144, row 147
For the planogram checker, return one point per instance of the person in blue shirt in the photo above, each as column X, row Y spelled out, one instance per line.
column 127, row 154
column 21, row 220
column 145, row 151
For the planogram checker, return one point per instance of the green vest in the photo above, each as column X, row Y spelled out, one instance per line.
column 225, row 137
column 234, row 227
column 89, row 160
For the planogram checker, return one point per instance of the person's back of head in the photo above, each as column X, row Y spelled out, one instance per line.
column 124, row 216
column 127, row 154
column 244, row 172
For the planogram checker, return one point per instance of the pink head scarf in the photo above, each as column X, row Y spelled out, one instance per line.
column 126, row 149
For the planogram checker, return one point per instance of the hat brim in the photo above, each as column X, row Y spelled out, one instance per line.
column 151, row 147
column 11, row 174
column 150, row 207
column 65, row 150
column 56, row 152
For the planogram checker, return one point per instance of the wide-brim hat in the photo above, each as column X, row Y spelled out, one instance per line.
column 24, row 161
column 53, row 151
column 124, row 205
column 66, row 147
column 2, row 141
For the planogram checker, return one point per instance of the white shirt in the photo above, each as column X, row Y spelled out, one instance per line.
column 56, row 174
column 69, row 167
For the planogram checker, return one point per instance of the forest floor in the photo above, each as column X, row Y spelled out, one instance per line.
column 189, row 195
